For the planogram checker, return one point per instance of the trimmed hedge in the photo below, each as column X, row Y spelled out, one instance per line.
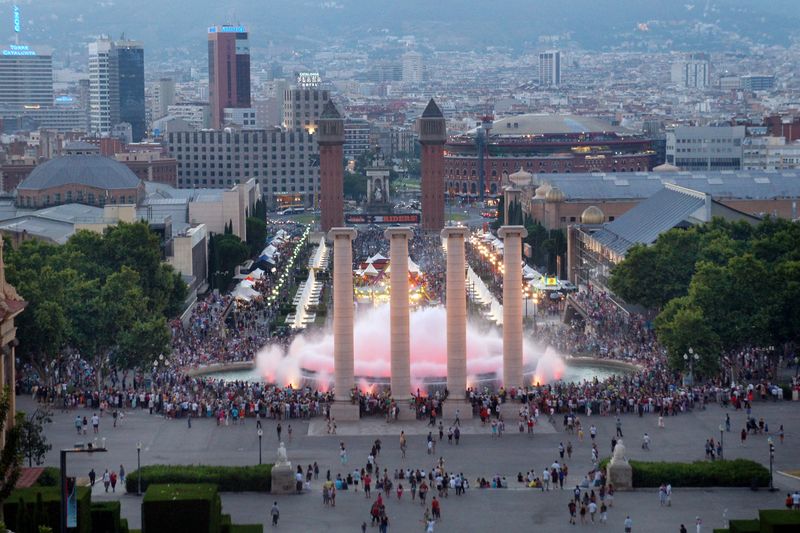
column 247, row 528
column 26, row 509
column 256, row 478
column 779, row 520
column 736, row 473
column 744, row 526
column 723, row 473
column 105, row 517
column 181, row 507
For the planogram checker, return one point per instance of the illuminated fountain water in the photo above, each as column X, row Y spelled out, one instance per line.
column 309, row 357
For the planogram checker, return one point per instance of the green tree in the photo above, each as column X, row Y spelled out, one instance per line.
column 142, row 343
column 256, row 234
column 355, row 186
column 229, row 251
column 33, row 443
column 681, row 327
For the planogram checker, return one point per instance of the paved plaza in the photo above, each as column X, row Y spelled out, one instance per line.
column 477, row 455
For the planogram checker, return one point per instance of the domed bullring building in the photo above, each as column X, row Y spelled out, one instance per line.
column 85, row 179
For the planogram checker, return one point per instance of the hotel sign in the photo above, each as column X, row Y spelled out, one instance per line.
column 399, row 218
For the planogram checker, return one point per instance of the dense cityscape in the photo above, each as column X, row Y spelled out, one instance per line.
column 397, row 252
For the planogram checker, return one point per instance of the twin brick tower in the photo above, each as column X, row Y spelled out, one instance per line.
column 330, row 137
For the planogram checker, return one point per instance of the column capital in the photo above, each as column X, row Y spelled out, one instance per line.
column 349, row 233
column 400, row 231
column 455, row 231
column 512, row 231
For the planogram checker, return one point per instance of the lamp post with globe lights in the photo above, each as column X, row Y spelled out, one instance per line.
column 690, row 358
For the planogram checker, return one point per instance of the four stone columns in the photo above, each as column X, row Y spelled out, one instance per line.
column 456, row 290
column 512, row 304
column 399, row 315
column 343, row 311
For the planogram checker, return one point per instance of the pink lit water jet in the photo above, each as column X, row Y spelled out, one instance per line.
column 313, row 352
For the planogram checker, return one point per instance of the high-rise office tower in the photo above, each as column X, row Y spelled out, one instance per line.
column 412, row 67
column 26, row 76
column 550, row 68
column 164, row 95
column 103, row 86
column 692, row 71
column 130, row 71
column 228, row 70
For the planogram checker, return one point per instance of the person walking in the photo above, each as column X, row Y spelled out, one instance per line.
column 106, row 479
column 121, row 474
column 96, row 423
column 279, row 428
column 92, row 477
column 619, row 427
column 628, row 524
column 113, row 482
column 275, row 513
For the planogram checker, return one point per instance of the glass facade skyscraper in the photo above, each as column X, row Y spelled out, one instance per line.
column 130, row 65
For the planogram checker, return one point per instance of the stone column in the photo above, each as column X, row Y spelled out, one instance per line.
column 343, row 314
column 456, row 293
column 399, row 316
column 512, row 304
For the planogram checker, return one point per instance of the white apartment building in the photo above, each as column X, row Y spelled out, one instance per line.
column 769, row 153
column 550, row 68
column 413, row 69
column 103, row 86
column 694, row 71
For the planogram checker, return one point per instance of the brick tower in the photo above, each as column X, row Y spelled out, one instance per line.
column 432, row 136
column 330, row 138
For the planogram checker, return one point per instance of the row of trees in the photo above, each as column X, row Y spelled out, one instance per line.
column 105, row 297
column 718, row 288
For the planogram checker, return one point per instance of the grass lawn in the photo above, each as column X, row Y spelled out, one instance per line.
column 456, row 217
column 305, row 218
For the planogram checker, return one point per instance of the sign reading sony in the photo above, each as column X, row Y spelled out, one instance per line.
column 17, row 21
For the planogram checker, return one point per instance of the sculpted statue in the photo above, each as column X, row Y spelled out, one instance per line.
column 619, row 453
column 282, row 460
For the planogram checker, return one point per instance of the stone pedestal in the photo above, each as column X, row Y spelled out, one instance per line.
column 345, row 411
column 283, row 479
column 620, row 474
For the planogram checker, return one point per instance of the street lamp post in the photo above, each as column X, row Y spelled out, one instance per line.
column 139, row 468
column 721, row 441
column 260, row 434
column 771, row 460
column 77, row 449
column 690, row 358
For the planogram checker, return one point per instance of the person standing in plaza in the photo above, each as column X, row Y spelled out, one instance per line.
column 628, row 524
column 279, row 428
column 619, row 427
column 92, row 477
column 106, row 479
column 96, row 423
column 275, row 513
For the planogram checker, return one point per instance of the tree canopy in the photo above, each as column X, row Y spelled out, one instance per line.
column 719, row 287
column 108, row 296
